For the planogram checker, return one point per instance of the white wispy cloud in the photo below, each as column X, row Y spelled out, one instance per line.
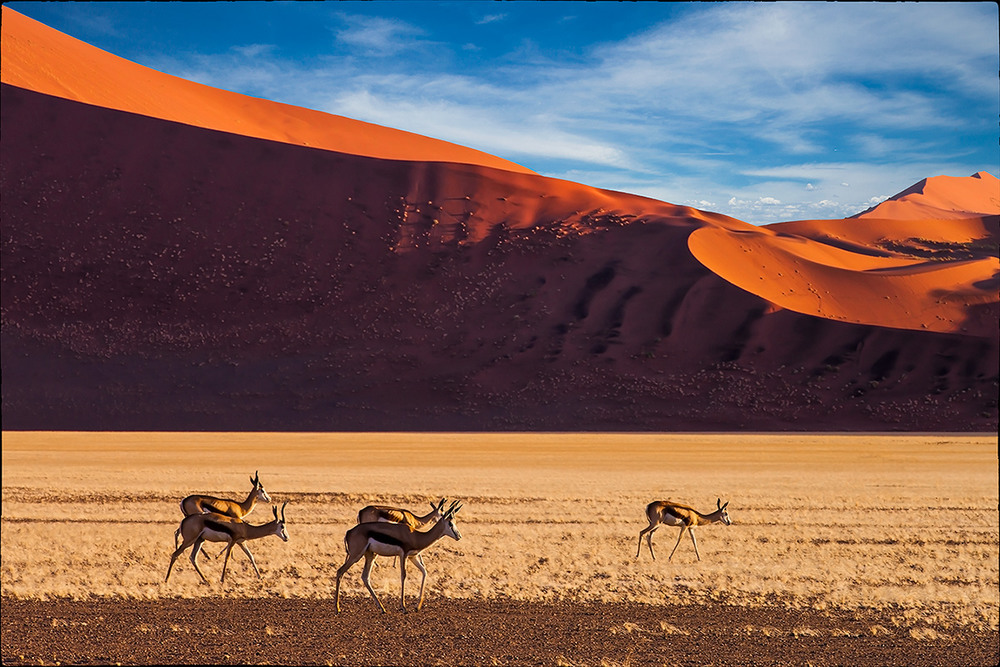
column 377, row 36
column 484, row 127
column 491, row 18
column 254, row 50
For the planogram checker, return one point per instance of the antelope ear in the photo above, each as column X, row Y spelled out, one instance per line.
column 726, row 505
column 274, row 508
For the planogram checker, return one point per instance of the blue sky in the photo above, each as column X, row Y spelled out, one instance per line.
column 762, row 111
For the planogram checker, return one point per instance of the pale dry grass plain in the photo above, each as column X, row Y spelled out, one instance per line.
column 903, row 524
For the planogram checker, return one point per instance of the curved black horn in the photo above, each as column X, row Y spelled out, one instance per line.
column 283, row 511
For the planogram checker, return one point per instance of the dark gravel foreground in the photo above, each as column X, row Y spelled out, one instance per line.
column 466, row 632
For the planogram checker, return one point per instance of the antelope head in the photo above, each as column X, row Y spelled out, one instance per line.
column 449, row 520
column 259, row 488
column 721, row 511
column 279, row 528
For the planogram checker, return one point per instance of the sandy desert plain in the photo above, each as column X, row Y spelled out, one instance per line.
column 844, row 549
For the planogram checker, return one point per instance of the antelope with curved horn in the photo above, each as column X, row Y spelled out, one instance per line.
column 199, row 528
column 368, row 540
column 389, row 514
column 200, row 504
column 666, row 513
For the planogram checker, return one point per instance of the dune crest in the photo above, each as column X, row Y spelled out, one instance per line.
column 37, row 57
column 942, row 198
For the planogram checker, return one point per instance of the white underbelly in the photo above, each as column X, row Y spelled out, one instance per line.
column 210, row 535
column 383, row 549
column 670, row 520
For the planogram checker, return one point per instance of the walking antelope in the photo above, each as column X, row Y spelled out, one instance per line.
column 198, row 504
column 199, row 528
column 388, row 514
column 664, row 512
column 394, row 539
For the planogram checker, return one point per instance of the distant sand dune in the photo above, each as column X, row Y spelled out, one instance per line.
column 910, row 275
column 942, row 198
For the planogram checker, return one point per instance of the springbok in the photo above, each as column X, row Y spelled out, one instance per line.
column 389, row 514
column 664, row 512
column 394, row 539
column 199, row 528
column 199, row 504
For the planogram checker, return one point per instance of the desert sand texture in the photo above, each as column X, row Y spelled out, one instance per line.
column 844, row 549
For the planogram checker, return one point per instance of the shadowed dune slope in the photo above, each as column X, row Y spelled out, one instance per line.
column 176, row 257
column 36, row 57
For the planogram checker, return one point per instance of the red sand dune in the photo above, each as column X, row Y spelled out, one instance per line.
column 169, row 273
column 910, row 274
column 942, row 198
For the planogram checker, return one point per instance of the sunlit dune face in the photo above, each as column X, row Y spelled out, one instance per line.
column 943, row 198
column 880, row 272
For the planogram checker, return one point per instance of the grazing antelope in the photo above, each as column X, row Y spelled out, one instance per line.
column 198, row 504
column 388, row 514
column 664, row 512
column 394, row 539
column 199, row 528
